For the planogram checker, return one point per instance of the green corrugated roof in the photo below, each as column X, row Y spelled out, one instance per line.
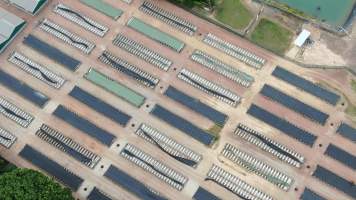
column 10, row 26
column 155, row 34
column 39, row 5
column 104, row 8
column 114, row 87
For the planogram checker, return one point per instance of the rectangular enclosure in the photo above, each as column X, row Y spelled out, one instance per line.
column 306, row 85
column 81, row 20
column 84, row 125
column 6, row 138
column 195, row 105
column 51, row 167
column 155, row 34
column 335, row 181
column 96, row 194
column 131, row 184
column 37, row 70
column 115, row 87
column 168, row 17
column 203, row 194
column 294, row 104
column 341, row 155
column 67, row 36
column 347, row 131
column 310, row 195
column 103, row 8
column 34, row 96
column 169, row 146
column 183, row 125
column 52, row 52
column 282, row 125
column 128, row 69
column 100, row 106
column 142, row 52
column 68, row 145
column 15, row 113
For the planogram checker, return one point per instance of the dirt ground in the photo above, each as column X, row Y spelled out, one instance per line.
column 328, row 49
column 336, row 80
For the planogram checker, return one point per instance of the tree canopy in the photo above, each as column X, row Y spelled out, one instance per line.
column 28, row 184
column 191, row 3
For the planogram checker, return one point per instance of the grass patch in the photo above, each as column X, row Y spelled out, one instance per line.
column 272, row 36
column 351, row 110
column 233, row 13
column 353, row 85
column 215, row 130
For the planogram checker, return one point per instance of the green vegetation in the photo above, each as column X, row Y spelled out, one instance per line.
column 353, row 85
column 5, row 166
column 351, row 110
column 215, row 130
column 196, row 3
column 233, row 13
column 287, row 9
column 272, row 36
column 27, row 184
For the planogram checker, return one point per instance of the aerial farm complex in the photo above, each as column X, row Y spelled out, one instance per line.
column 134, row 99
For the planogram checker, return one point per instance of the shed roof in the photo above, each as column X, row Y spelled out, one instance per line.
column 104, row 8
column 29, row 5
column 156, row 34
column 302, row 37
column 8, row 23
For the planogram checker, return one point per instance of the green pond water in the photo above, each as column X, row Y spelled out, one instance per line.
column 333, row 12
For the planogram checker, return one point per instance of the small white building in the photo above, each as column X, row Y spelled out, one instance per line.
column 302, row 37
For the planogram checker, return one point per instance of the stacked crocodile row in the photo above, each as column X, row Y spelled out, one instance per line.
column 14, row 113
column 142, row 52
column 148, row 163
column 66, row 36
column 128, row 69
column 168, row 145
column 222, row 68
column 37, row 70
column 168, row 18
column 235, row 51
column 209, row 87
column 276, row 149
column 83, row 21
column 254, row 165
column 235, row 184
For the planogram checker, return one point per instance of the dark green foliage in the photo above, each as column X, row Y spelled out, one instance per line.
column 5, row 166
column 199, row 3
column 27, row 184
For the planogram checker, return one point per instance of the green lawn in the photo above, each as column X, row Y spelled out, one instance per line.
column 353, row 85
column 233, row 13
column 272, row 36
column 351, row 110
